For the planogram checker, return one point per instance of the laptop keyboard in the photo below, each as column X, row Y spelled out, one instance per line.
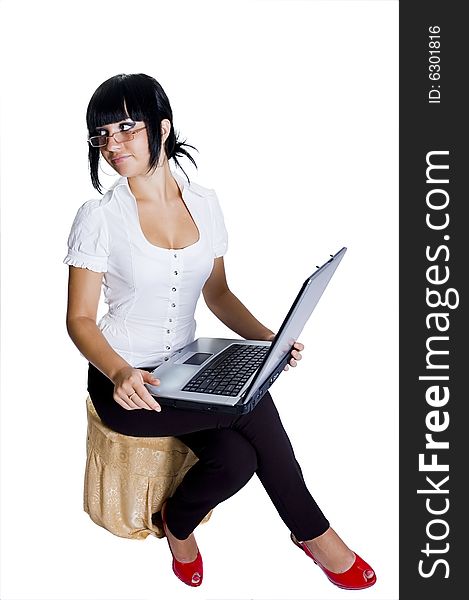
column 227, row 374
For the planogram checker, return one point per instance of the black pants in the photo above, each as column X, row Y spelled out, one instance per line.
column 230, row 450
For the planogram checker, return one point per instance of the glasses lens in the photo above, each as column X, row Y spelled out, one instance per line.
column 123, row 136
column 98, row 141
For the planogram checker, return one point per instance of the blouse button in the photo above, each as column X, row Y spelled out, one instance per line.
column 175, row 272
column 175, row 255
column 168, row 347
column 170, row 320
column 173, row 289
column 173, row 305
column 166, row 358
column 168, row 331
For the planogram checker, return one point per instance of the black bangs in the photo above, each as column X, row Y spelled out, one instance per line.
column 115, row 100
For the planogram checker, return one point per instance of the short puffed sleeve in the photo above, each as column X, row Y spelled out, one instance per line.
column 219, row 233
column 88, row 242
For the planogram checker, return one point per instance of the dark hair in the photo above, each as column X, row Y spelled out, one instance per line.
column 141, row 98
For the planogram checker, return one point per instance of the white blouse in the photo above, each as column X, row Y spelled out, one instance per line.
column 151, row 291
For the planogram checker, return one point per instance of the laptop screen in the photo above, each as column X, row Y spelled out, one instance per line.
column 296, row 319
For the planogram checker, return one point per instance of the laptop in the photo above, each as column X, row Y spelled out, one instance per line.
column 232, row 375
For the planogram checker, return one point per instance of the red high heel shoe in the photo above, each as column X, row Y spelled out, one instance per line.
column 358, row 577
column 190, row 573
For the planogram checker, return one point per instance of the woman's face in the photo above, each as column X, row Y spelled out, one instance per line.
column 128, row 154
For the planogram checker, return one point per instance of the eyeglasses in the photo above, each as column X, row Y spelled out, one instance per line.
column 99, row 141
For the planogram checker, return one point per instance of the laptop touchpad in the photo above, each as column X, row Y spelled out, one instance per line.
column 198, row 358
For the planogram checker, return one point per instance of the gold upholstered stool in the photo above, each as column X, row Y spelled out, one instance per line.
column 128, row 478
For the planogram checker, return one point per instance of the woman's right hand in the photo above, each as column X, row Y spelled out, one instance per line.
column 129, row 389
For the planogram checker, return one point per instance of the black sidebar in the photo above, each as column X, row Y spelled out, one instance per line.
column 434, row 252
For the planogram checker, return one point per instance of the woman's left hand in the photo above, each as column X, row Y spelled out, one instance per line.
column 298, row 347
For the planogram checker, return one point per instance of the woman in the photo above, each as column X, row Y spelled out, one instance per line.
column 154, row 242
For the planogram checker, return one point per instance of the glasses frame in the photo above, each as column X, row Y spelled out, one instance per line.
column 132, row 132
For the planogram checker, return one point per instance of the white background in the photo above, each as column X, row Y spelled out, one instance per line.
column 293, row 107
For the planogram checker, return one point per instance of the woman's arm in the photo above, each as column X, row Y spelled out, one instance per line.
column 84, row 288
column 232, row 312
column 229, row 309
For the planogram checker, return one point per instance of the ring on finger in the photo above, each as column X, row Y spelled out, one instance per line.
column 132, row 394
